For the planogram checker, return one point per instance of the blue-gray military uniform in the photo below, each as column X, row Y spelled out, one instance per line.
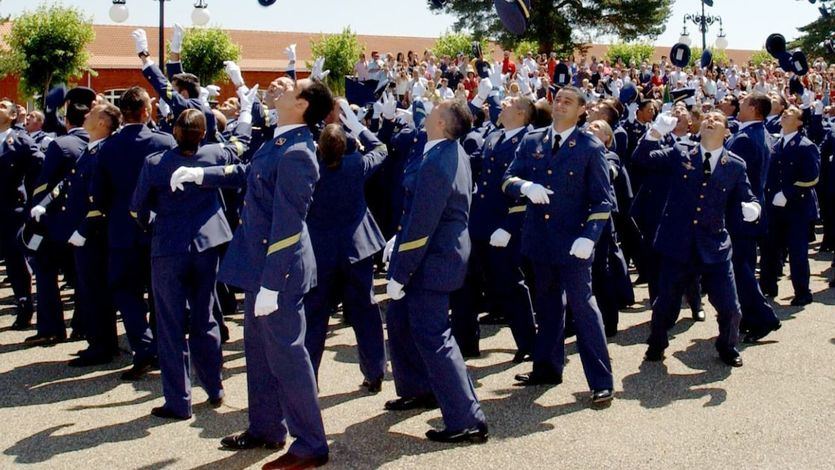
column 495, row 271
column 692, row 237
column 578, row 175
column 271, row 249
column 430, row 260
column 178, row 102
column 187, row 231
column 345, row 237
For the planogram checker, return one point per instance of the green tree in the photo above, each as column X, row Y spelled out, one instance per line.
column 630, row 52
column 563, row 26
column 47, row 46
column 451, row 44
column 524, row 47
column 761, row 57
column 814, row 34
column 341, row 51
column 205, row 50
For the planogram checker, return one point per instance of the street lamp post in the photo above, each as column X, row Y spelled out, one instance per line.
column 703, row 21
column 200, row 16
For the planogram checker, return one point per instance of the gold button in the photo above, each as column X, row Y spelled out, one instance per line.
column 570, row 173
column 72, row 171
column 482, row 196
column 547, row 216
column 492, row 159
column 287, row 276
column 550, row 172
column 240, row 221
column 63, row 208
column 704, row 184
column 264, row 241
column 533, row 169
column 695, row 222
column 685, row 176
column 701, row 196
column 489, row 171
column 698, row 209
column 399, row 228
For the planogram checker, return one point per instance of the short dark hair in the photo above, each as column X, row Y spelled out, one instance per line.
column 188, row 82
column 543, row 117
column 735, row 103
column 761, row 103
column 459, row 119
column 76, row 112
column 608, row 113
column 132, row 102
column 332, row 145
column 189, row 130
column 319, row 102
column 112, row 114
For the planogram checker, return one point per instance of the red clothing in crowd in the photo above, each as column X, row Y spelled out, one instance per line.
column 552, row 65
column 471, row 85
column 508, row 67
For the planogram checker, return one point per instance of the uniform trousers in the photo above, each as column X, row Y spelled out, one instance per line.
column 128, row 272
column 50, row 310
column 756, row 311
column 17, row 270
column 93, row 297
column 785, row 233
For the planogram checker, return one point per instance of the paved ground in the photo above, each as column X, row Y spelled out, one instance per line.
column 689, row 412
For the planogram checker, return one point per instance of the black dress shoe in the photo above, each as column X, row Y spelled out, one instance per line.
column 756, row 334
column 245, row 440
column 832, row 283
column 139, row 370
column 769, row 292
column 215, row 402
column 44, row 340
column 654, row 355
column 412, row 403
column 492, row 319
column 699, row 315
column 76, row 336
column 224, row 334
column 21, row 324
column 290, row 461
column 522, row 356
column 731, row 360
column 87, row 360
column 470, row 353
column 372, row 386
column 476, row 435
column 163, row 412
column 538, row 378
column 802, row 299
column 599, row 397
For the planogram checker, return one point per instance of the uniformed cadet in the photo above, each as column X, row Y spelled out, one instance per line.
column 730, row 108
column 428, row 261
column 188, row 229
column 34, row 127
column 495, row 223
column 85, row 232
column 20, row 163
column 778, row 105
column 272, row 260
column 792, row 206
column 120, row 160
column 753, row 144
column 564, row 175
column 59, row 160
column 708, row 182
column 345, row 237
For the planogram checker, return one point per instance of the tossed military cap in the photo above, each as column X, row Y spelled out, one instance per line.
column 785, row 61
column 680, row 55
column 829, row 45
column 55, row 97
column 775, row 44
column 514, row 14
column 628, row 94
column 707, row 59
column 561, row 75
column 418, row 113
column 799, row 65
column 437, row 3
column 476, row 49
column 796, row 86
column 266, row 3
column 688, row 95
column 81, row 95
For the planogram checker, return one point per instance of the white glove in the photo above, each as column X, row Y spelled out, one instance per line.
column 164, row 109
column 389, row 249
column 779, row 200
column 317, row 71
column 37, row 212
column 496, row 78
column 582, row 248
column 140, row 40
column 76, row 239
column 349, row 119
column 633, row 112
column 362, row 113
column 204, row 95
column 266, row 302
column 395, row 290
column 291, row 52
column 664, row 124
column 406, row 115
column 484, row 89
column 500, row 238
column 388, row 106
column 751, row 211
column 184, row 175
column 536, row 193
column 214, row 91
column 246, row 98
column 818, row 107
column 177, row 38
column 234, row 73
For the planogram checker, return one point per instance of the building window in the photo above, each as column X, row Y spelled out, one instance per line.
column 113, row 96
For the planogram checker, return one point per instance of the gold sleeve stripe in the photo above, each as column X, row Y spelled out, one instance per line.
column 598, row 216
column 282, row 244
column 94, row 214
column 413, row 245
column 169, row 92
column 524, row 8
column 508, row 181
column 517, row 209
column 134, row 215
column 806, row 184
column 239, row 147
column 228, row 169
column 39, row 189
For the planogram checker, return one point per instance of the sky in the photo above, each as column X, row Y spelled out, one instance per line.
column 747, row 22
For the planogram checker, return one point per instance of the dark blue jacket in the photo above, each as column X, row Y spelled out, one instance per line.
column 341, row 226
column 772, row 124
column 20, row 164
column 582, row 201
column 176, row 101
column 693, row 221
column 753, row 145
column 433, row 246
column 120, row 160
column 795, row 168
column 271, row 247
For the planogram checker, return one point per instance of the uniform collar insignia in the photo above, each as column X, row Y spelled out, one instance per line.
column 546, row 138
column 514, row 140
column 694, row 151
column 10, row 140
column 538, row 154
column 280, row 141
column 724, row 159
column 572, row 143
column 688, row 165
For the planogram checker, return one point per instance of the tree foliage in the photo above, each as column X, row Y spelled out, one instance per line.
column 564, row 26
column 47, row 46
column 630, row 52
column 814, row 34
column 451, row 44
column 524, row 47
column 341, row 51
column 761, row 57
column 204, row 51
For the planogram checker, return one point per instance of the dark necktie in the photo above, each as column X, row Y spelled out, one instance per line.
column 556, row 147
column 706, row 165
column 501, row 138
